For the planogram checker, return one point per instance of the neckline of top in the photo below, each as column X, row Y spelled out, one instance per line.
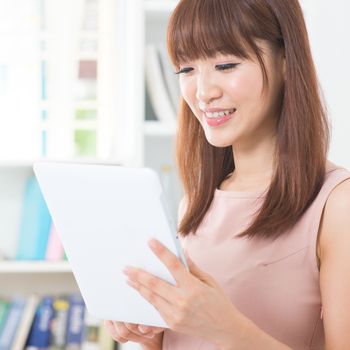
column 239, row 194
column 254, row 194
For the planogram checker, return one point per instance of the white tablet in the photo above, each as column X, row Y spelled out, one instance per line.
column 105, row 215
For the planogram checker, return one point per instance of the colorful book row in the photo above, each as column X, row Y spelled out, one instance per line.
column 51, row 322
column 37, row 239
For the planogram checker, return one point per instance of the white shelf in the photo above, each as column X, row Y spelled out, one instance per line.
column 162, row 6
column 41, row 277
column 155, row 128
column 34, row 267
column 17, row 163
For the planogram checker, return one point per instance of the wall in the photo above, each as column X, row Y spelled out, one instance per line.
column 329, row 29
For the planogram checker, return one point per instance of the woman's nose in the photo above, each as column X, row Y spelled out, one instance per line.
column 207, row 88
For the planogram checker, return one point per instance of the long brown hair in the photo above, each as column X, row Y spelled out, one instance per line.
column 201, row 29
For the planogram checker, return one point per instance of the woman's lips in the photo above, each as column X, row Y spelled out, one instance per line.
column 219, row 120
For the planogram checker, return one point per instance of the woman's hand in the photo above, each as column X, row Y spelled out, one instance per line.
column 196, row 305
column 150, row 337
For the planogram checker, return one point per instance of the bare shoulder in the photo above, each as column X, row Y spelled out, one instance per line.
column 340, row 195
column 335, row 266
column 336, row 217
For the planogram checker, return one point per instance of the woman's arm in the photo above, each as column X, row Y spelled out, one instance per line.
column 252, row 337
column 335, row 267
column 334, row 281
column 240, row 333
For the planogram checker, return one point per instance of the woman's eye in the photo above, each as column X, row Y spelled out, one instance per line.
column 184, row 70
column 226, row 66
column 220, row 67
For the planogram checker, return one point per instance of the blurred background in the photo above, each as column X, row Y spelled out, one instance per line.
column 90, row 80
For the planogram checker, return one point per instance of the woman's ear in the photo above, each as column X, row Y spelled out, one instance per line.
column 280, row 61
column 284, row 67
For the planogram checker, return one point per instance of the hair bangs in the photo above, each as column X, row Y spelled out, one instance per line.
column 204, row 29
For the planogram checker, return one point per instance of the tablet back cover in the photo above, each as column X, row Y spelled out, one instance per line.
column 105, row 215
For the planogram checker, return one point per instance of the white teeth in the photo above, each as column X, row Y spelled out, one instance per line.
column 220, row 114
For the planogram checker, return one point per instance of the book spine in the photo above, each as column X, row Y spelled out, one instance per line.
column 13, row 319
column 75, row 322
column 170, row 78
column 25, row 322
column 157, row 89
column 35, row 224
column 54, row 250
column 91, row 335
column 39, row 336
column 106, row 342
column 4, row 308
column 59, row 323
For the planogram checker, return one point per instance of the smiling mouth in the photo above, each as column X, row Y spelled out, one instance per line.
column 220, row 120
column 221, row 114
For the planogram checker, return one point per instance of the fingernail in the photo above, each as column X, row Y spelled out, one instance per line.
column 153, row 243
column 127, row 270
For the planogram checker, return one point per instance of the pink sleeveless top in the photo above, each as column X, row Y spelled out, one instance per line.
column 273, row 283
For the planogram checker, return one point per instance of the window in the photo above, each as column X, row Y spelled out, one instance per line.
column 55, row 95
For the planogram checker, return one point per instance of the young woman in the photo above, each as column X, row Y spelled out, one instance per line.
column 265, row 219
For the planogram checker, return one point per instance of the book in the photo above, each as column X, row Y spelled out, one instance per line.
column 156, row 86
column 106, row 341
column 91, row 337
column 35, row 223
column 59, row 323
column 171, row 79
column 75, row 322
column 39, row 335
column 4, row 307
column 13, row 319
column 54, row 250
column 25, row 323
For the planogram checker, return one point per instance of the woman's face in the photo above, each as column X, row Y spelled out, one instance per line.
column 225, row 93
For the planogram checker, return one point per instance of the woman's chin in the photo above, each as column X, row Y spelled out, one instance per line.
column 219, row 143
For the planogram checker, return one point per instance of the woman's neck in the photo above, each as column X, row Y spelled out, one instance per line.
column 253, row 170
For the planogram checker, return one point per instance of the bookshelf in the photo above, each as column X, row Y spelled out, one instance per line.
column 39, row 277
column 126, row 132
column 34, row 267
column 159, row 136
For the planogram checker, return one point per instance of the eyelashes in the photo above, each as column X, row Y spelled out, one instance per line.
column 226, row 66
column 220, row 67
column 184, row 71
